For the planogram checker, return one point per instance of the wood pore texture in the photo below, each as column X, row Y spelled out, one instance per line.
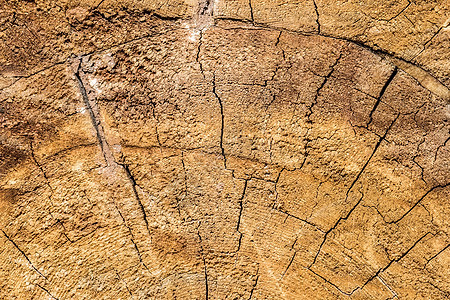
column 227, row 149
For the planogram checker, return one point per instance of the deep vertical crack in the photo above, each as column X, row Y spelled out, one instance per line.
column 133, row 182
column 185, row 174
column 241, row 208
column 317, row 17
column 183, row 165
column 440, row 147
column 383, row 90
column 251, row 11
column 277, row 42
column 197, row 57
column 133, row 186
column 310, row 109
column 275, row 203
column 381, row 139
column 319, row 89
column 325, row 80
column 138, row 252
column 222, row 120
column 92, row 108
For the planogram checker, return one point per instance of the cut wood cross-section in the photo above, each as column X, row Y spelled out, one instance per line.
column 224, row 149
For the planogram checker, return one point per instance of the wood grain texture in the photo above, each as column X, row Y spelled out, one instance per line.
column 224, row 150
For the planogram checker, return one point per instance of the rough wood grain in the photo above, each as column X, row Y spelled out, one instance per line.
column 224, row 149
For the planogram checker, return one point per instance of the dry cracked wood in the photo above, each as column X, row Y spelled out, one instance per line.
column 224, row 149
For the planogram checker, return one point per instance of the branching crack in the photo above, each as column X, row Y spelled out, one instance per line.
column 207, row 9
column 440, row 89
column 351, row 187
column 382, row 53
column 436, row 255
column 376, row 275
column 381, row 270
column 325, row 80
column 419, row 201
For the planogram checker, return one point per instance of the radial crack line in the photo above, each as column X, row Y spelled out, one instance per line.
column 241, row 208
column 382, row 138
column 47, row 291
column 92, row 107
column 222, row 120
column 24, row 255
column 381, row 270
column 383, row 90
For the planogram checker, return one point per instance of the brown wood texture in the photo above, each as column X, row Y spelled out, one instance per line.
column 220, row 149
